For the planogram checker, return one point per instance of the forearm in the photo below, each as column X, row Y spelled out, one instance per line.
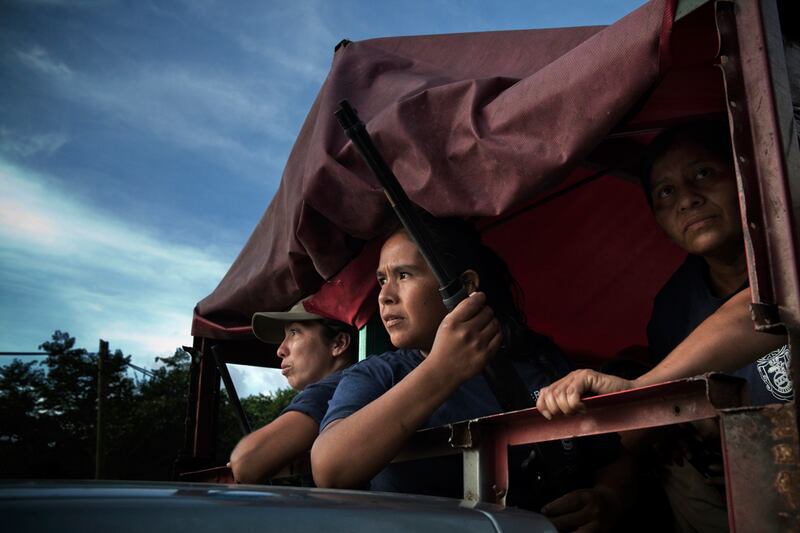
column 724, row 342
column 377, row 432
column 267, row 450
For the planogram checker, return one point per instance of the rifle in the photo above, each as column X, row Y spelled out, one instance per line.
column 503, row 379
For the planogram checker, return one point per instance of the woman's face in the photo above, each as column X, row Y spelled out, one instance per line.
column 410, row 306
column 696, row 202
column 306, row 354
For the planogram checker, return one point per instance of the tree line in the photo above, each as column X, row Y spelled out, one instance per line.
column 48, row 415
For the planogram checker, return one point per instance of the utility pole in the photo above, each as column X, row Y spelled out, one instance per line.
column 102, row 354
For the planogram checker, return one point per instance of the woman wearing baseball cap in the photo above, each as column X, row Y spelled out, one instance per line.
column 313, row 351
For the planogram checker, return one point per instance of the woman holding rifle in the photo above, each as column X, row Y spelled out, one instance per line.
column 433, row 377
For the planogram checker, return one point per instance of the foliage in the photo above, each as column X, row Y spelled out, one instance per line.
column 25, row 428
column 261, row 409
column 49, row 415
column 155, row 421
column 265, row 408
column 69, row 399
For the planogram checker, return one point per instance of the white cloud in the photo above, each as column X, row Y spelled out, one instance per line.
column 76, row 268
column 234, row 118
column 296, row 63
column 214, row 115
column 303, row 46
column 38, row 59
column 45, row 144
column 300, row 41
column 244, row 115
column 256, row 380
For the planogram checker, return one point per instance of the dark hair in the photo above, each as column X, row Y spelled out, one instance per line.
column 460, row 245
column 331, row 328
column 712, row 134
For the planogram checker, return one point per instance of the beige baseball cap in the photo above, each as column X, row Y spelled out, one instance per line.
column 268, row 326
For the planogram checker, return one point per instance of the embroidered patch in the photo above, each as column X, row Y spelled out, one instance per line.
column 774, row 371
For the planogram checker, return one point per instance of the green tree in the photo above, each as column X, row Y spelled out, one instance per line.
column 25, row 428
column 49, row 413
column 264, row 408
column 69, row 398
column 156, row 421
column 261, row 409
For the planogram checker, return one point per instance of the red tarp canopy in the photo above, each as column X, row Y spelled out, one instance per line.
column 504, row 128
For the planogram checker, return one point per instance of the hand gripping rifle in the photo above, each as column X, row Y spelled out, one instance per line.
column 504, row 381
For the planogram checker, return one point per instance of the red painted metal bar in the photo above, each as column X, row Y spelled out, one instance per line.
column 766, row 155
column 206, row 407
column 760, row 444
column 499, row 488
column 656, row 405
column 755, row 241
column 186, row 458
column 776, row 154
column 220, row 474
column 485, row 441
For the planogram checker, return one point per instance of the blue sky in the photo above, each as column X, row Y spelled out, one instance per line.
column 141, row 141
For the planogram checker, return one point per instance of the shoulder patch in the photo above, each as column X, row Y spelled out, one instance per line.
column 774, row 371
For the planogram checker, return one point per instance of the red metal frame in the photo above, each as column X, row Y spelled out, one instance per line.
column 759, row 107
column 485, row 441
column 761, row 444
column 207, row 405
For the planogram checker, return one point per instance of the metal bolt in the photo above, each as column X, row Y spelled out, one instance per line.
column 498, row 492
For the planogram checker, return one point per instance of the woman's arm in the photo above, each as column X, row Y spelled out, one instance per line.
column 725, row 341
column 262, row 453
column 374, row 434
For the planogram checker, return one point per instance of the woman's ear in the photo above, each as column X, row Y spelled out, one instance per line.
column 471, row 280
column 341, row 342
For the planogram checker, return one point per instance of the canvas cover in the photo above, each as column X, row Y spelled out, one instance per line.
column 488, row 126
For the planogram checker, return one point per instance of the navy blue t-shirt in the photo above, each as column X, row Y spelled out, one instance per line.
column 686, row 301
column 371, row 378
column 313, row 400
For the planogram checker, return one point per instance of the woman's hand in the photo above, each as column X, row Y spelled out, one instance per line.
column 564, row 396
column 466, row 339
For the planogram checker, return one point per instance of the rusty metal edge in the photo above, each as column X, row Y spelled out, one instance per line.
column 760, row 449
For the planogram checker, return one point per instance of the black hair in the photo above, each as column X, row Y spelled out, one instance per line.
column 712, row 134
column 460, row 245
column 331, row 328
